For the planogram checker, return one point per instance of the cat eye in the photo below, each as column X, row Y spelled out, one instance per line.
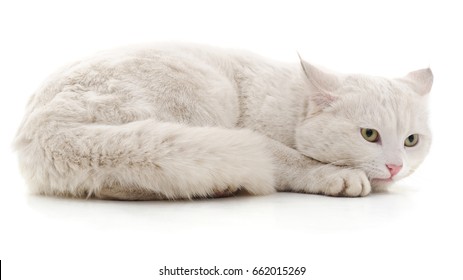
column 411, row 140
column 371, row 135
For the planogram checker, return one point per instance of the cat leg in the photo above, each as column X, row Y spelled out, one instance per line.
column 298, row 173
column 142, row 160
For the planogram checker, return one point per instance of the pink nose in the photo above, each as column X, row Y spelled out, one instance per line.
column 394, row 169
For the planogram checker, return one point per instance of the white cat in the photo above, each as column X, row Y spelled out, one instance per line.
column 176, row 121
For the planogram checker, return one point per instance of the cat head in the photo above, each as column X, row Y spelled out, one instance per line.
column 374, row 124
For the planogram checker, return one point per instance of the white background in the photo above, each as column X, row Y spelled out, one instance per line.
column 412, row 232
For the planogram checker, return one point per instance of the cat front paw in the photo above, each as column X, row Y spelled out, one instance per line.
column 348, row 183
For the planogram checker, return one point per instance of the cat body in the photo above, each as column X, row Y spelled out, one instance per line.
column 173, row 121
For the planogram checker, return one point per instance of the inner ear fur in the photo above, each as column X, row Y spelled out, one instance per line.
column 324, row 84
column 420, row 80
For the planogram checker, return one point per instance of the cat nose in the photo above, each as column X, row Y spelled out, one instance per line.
column 394, row 169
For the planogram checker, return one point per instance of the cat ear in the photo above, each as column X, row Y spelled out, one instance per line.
column 420, row 80
column 325, row 83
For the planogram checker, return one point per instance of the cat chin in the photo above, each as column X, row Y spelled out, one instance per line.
column 381, row 185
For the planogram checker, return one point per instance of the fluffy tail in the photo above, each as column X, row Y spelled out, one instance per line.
column 142, row 160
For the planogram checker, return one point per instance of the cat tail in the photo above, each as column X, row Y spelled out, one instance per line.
column 142, row 160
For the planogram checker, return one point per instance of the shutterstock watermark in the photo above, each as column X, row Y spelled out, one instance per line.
column 215, row 271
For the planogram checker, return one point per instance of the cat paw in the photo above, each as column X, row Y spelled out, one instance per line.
column 348, row 183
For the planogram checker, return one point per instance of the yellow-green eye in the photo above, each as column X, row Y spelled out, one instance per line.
column 371, row 135
column 411, row 140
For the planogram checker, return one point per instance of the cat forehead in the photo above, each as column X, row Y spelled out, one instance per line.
column 378, row 86
column 380, row 91
column 382, row 104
